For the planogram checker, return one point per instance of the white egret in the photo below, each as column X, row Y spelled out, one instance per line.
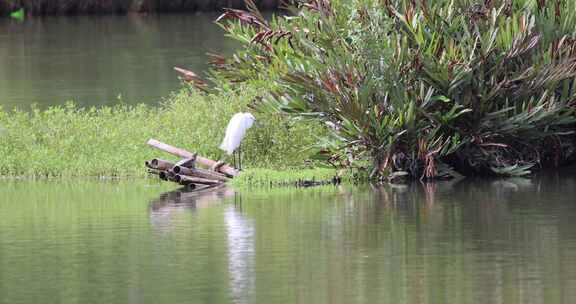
column 235, row 132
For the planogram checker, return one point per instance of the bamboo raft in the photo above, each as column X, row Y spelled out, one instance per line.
column 186, row 171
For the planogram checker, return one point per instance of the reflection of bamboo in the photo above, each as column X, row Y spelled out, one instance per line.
column 163, row 209
column 201, row 197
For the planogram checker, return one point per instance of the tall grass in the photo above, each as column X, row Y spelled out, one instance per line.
column 110, row 141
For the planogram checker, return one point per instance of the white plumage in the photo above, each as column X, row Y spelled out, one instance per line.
column 236, row 131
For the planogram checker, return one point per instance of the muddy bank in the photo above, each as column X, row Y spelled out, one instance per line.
column 66, row 7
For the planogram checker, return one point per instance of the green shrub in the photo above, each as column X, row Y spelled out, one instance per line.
column 420, row 89
column 111, row 141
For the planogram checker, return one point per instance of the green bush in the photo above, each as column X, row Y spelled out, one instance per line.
column 111, row 141
column 420, row 89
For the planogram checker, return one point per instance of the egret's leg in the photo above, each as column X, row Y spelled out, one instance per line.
column 240, row 157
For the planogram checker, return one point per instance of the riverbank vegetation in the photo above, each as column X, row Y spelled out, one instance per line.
column 400, row 90
column 66, row 7
column 263, row 177
column 419, row 89
column 67, row 141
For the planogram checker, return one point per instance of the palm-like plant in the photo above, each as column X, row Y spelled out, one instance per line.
column 421, row 89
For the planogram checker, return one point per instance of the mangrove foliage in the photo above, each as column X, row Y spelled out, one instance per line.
column 418, row 89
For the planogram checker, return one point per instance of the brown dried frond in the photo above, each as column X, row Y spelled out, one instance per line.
column 244, row 17
column 427, row 153
column 389, row 8
column 523, row 45
column 218, row 62
column 253, row 9
column 322, row 6
column 410, row 11
column 541, row 4
column 430, row 167
column 425, row 11
column 328, row 84
column 335, row 81
column 192, row 78
column 215, row 59
column 265, row 37
column 564, row 48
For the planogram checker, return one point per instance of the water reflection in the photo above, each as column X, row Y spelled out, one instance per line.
column 477, row 241
column 239, row 231
column 169, row 204
column 470, row 241
column 467, row 241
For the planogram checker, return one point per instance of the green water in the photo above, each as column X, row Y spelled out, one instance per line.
column 509, row 241
column 93, row 60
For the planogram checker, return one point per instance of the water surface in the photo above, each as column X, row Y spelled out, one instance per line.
column 98, row 60
column 506, row 241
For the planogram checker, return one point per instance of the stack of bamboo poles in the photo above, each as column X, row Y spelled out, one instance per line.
column 186, row 171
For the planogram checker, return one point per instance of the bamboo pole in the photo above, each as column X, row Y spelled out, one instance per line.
column 183, row 179
column 163, row 176
column 167, row 176
column 200, row 173
column 187, row 162
column 226, row 169
column 161, row 164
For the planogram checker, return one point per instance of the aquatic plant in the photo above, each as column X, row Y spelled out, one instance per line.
column 418, row 89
